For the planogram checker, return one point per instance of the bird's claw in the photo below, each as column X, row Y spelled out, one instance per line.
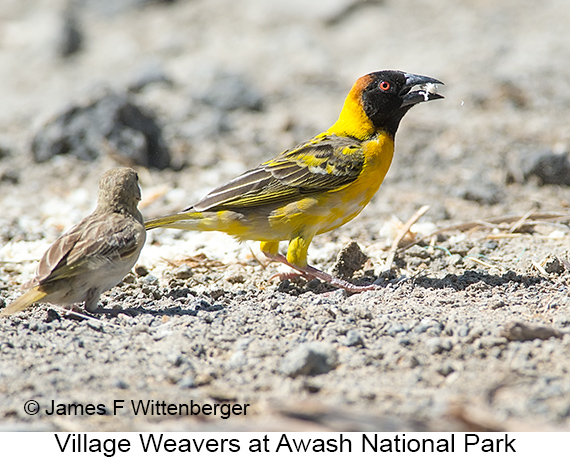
column 310, row 272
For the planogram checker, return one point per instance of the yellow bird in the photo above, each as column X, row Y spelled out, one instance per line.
column 320, row 184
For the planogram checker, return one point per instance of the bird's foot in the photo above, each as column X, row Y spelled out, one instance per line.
column 310, row 272
column 288, row 276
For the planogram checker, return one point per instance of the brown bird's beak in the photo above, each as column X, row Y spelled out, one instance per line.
column 427, row 89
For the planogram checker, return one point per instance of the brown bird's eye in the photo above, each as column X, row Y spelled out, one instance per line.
column 384, row 85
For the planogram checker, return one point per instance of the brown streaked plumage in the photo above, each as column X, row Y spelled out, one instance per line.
column 94, row 255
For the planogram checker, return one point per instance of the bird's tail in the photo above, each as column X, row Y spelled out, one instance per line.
column 31, row 296
column 184, row 221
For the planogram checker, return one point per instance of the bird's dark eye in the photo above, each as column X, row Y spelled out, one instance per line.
column 384, row 85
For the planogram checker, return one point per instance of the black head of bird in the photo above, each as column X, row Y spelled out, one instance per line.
column 384, row 97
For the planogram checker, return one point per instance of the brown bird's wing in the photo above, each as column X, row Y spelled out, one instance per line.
column 322, row 164
column 92, row 243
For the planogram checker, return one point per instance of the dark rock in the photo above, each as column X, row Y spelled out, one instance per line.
column 120, row 384
column 141, row 270
column 11, row 176
column 553, row 264
column 129, row 279
column 518, row 331
column 110, row 123
column 545, row 167
column 549, row 168
column 71, row 36
column 52, row 315
column 445, row 369
column 349, row 259
column 5, row 150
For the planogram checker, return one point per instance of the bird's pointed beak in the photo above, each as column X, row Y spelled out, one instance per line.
column 427, row 89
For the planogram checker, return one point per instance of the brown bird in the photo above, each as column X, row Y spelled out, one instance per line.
column 95, row 254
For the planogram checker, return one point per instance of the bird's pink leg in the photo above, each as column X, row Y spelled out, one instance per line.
column 312, row 272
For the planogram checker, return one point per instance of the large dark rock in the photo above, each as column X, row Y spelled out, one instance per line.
column 539, row 166
column 549, row 168
column 111, row 123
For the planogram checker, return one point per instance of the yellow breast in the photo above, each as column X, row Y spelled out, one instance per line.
column 320, row 213
column 347, row 202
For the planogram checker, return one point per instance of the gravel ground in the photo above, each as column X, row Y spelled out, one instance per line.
column 468, row 331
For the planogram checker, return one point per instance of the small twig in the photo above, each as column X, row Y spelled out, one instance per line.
column 479, row 261
column 500, row 236
column 91, row 318
column 539, row 267
column 17, row 262
column 401, row 234
column 518, row 224
column 490, row 223
column 264, row 262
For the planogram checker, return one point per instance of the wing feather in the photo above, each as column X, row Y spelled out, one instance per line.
column 322, row 164
column 92, row 243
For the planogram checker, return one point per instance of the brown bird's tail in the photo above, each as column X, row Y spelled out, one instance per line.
column 31, row 296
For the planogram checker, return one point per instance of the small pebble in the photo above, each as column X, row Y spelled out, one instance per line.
column 353, row 338
column 309, row 359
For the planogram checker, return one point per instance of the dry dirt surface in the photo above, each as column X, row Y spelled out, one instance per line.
column 469, row 328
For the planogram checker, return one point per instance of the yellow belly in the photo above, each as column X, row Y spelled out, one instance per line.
column 308, row 216
column 322, row 213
